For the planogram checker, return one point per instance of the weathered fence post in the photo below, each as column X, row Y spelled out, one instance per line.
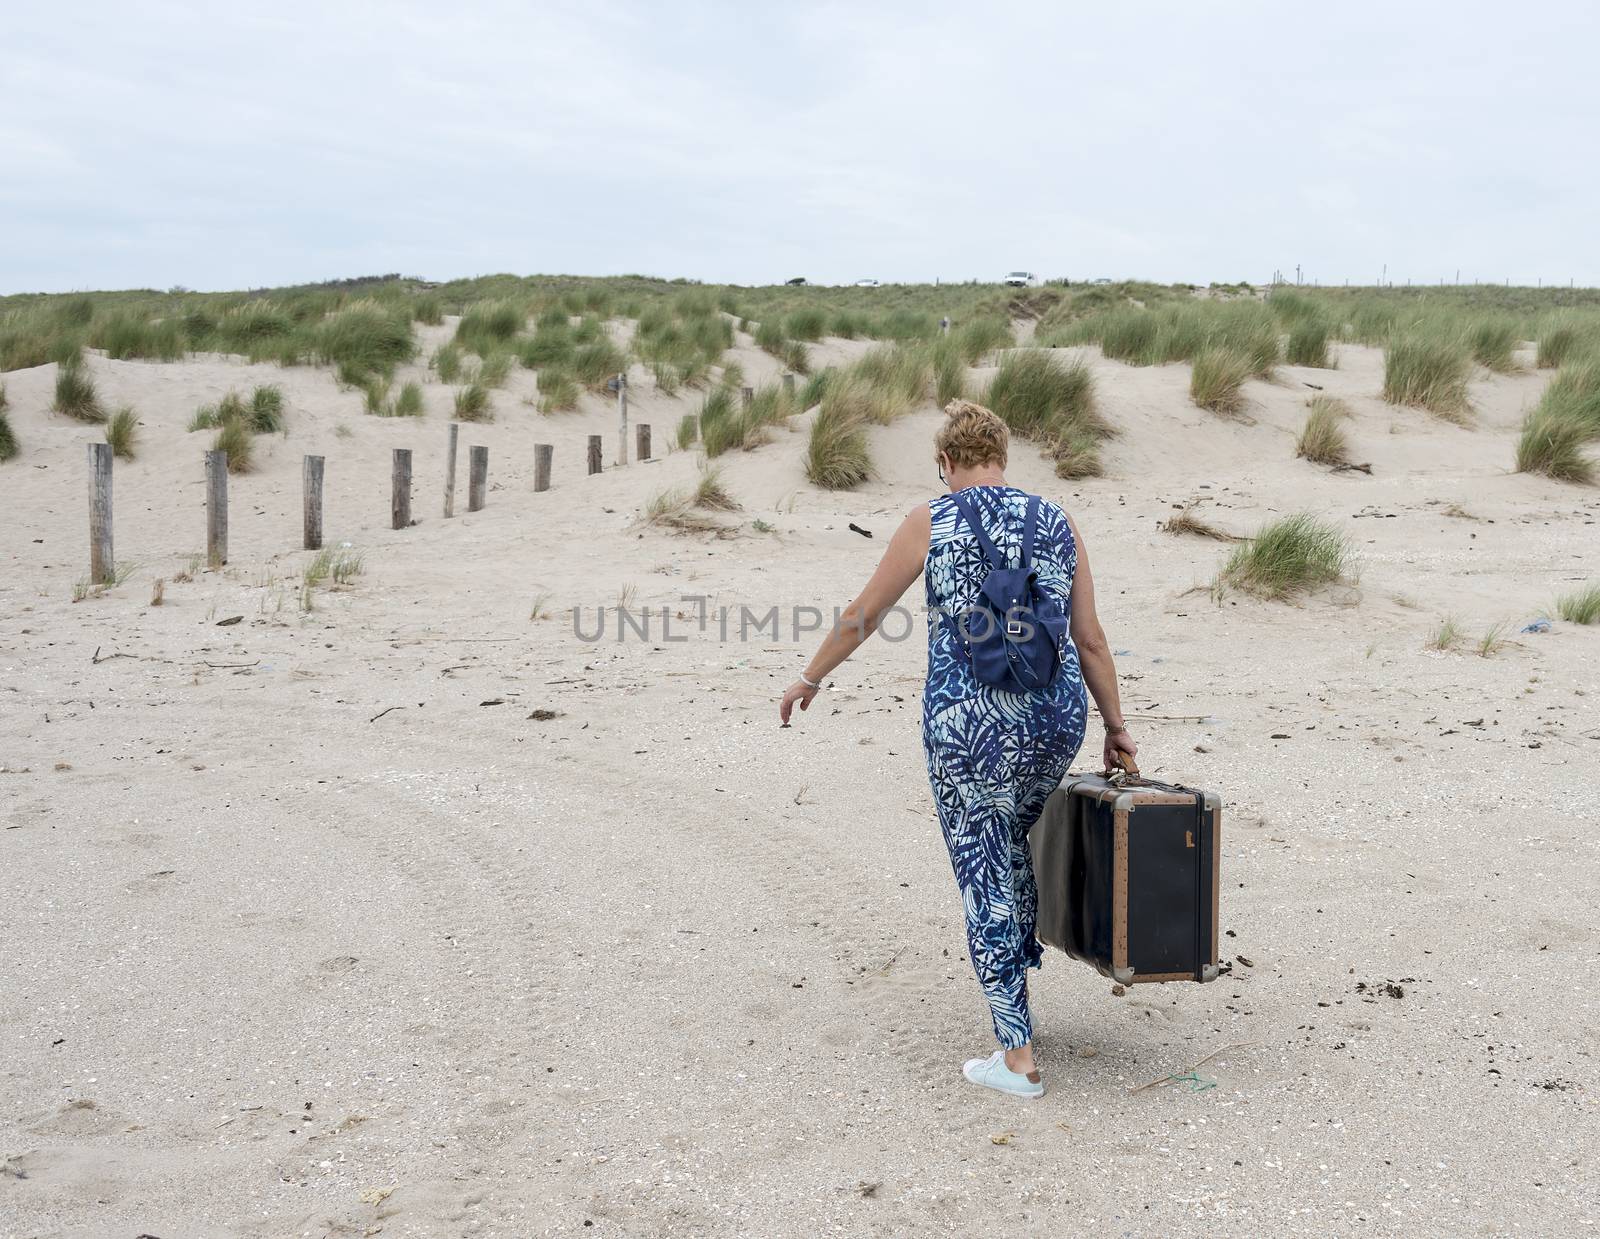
column 311, row 474
column 747, row 396
column 216, row 508
column 400, row 495
column 477, row 477
column 788, row 381
column 595, row 449
column 622, row 415
column 450, row 470
column 102, row 565
column 542, row 452
column 642, row 441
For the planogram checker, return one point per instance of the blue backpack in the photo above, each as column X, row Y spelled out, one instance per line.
column 1015, row 631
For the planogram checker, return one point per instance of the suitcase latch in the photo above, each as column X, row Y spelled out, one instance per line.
column 1188, row 838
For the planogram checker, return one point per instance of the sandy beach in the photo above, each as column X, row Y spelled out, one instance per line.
column 417, row 914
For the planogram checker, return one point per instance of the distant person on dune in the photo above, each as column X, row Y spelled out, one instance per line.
column 993, row 754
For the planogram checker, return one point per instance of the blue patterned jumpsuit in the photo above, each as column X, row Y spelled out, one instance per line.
column 995, row 756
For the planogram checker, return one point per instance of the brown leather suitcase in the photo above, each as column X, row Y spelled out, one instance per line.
column 1129, row 871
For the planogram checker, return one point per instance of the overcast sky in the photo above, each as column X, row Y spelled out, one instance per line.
column 153, row 144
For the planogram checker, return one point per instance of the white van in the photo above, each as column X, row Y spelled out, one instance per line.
column 1022, row 279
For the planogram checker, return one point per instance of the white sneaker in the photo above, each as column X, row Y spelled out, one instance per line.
column 992, row 1072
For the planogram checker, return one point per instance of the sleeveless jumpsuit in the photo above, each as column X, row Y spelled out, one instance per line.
column 995, row 756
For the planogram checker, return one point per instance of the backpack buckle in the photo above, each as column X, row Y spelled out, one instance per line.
column 1013, row 628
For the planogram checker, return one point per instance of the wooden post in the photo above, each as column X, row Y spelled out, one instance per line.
column 477, row 477
column 450, row 471
column 747, row 396
column 216, row 508
column 641, row 441
column 542, row 452
column 788, row 381
column 400, row 494
column 622, row 415
column 311, row 475
column 595, row 449
column 102, row 566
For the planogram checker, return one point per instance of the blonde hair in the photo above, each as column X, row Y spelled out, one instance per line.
column 972, row 436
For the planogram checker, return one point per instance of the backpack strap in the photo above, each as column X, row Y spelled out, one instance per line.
column 984, row 542
column 1030, row 527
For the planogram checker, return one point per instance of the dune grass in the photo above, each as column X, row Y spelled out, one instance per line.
column 1308, row 344
column 1446, row 636
column 1287, row 557
column 1493, row 343
column 409, row 402
column 448, row 362
column 489, row 325
column 9, row 448
column 1581, row 606
column 122, row 432
column 980, row 336
column 837, row 454
column 473, row 404
column 75, row 394
column 810, row 394
column 1052, row 404
column 364, row 336
column 807, row 324
column 558, row 391
column 684, row 510
column 1553, row 445
column 949, row 373
column 237, row 443
column 1429, row 369
column 597, row 363
column 718, row 431
column 375, row 396
column 126, row 334
column 428, row 311
column 259, row 330
column 1216, row 380
column 1322, row 440
column 1493, row 640
column 1562, row 335
column 266, row 409
column 1567, row 418
column 495, row 368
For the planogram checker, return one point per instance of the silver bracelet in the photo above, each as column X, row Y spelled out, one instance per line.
column 808, row 683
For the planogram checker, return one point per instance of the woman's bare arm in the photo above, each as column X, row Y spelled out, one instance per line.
column 902, row 563
column 1094, row 656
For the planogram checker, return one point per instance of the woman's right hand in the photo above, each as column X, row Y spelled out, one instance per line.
column 800, row 692
column 1118, row 741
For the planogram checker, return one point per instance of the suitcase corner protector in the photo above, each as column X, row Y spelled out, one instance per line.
column 1210, row 972
column 1122, row 976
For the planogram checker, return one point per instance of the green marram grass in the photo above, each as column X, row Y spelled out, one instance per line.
column 1053, row 404
column 1429, row 369
column 409, row 402
column 473, row 404
column 122, row 432
column 1493, row 342
column 237, row 443
column 448, row 362
column 838, row 456
column 76, row 395
column 1322, row 440
column 558, row 391
column 266, row 409
column 1286, row 558
column 1308, row 344
column 9, row 448
column 1216, row 380
column 1581, row 606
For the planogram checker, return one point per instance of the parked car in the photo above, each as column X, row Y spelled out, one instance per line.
column 797, row 281
column 866, row 283
column 1022, row 279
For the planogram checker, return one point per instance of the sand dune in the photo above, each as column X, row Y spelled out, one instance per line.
column 314, row 926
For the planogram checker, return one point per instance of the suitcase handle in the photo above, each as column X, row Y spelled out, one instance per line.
column 1129, row 768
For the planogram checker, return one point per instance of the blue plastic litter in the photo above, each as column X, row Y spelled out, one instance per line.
column 1538, row 625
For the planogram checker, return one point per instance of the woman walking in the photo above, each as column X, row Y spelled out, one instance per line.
column 994, row 755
